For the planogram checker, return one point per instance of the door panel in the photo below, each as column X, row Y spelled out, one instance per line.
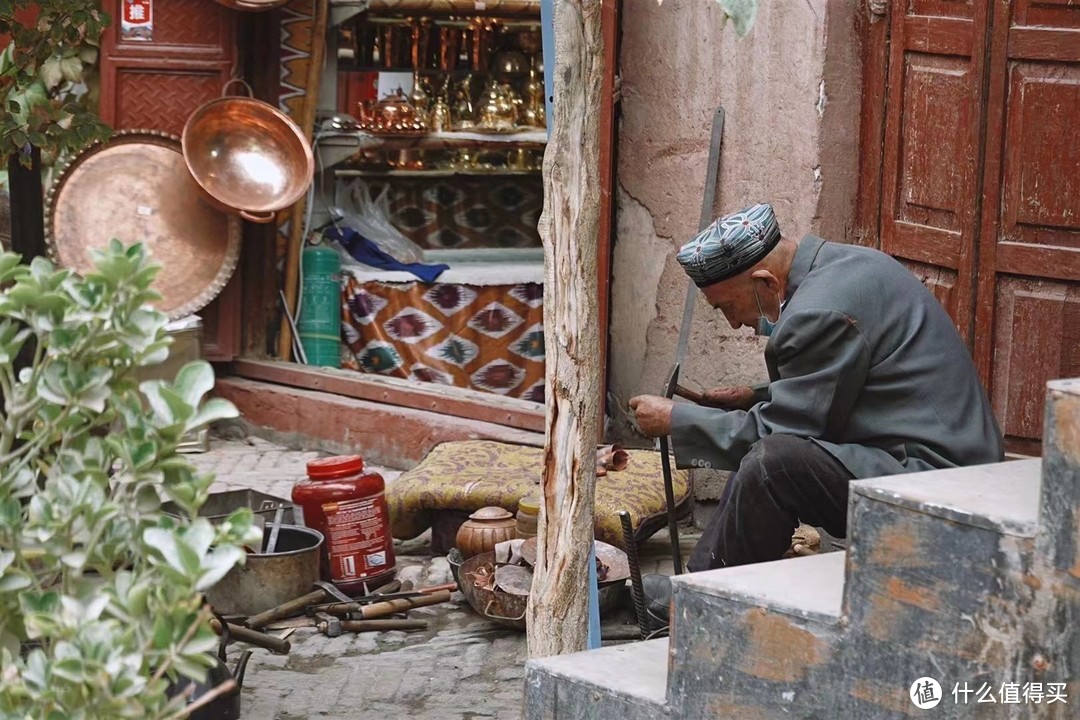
column 931, row 147
column 155, row 85
column 1028, row 309
column 1037, row 337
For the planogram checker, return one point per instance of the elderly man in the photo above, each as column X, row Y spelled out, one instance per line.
column 867, row 377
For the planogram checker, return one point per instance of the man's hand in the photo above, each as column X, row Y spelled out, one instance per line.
column 653, row 414
column 729, row 398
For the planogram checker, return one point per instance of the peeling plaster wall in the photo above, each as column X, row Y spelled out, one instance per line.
column 791, row 93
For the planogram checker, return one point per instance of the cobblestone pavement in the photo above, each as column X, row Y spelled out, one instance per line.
column 462, row 667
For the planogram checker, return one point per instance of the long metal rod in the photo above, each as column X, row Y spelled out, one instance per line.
column 712, row 173
column 669, row 497
column 637, row 590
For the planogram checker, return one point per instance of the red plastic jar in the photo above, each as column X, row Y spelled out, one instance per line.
column 348, row 507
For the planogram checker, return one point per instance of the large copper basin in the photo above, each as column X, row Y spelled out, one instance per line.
column 247, row 157
column 252, row 5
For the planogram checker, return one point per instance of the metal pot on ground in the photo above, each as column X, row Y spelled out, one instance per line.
column 267, row 580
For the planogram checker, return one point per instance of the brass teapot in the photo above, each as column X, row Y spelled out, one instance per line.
column 393, row 114
column 497, row 112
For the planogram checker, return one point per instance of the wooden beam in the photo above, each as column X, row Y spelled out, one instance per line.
column 570, row 227
column 442, row 399
column 307, row 124
column 609, row 27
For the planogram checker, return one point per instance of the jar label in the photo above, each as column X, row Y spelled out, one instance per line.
column 357, row 538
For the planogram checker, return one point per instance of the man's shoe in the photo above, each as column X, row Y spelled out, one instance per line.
column 657, row 591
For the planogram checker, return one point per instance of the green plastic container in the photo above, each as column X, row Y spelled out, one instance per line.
column 319, row 325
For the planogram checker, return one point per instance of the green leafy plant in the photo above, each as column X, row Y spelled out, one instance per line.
column 46, row 83
column 100, row 591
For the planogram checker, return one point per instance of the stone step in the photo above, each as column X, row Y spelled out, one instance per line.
column 620, row 682
column 939, row 576
column 1003, row 497
column 757, row 640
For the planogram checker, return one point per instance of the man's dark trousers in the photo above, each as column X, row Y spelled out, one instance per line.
column 782, row 481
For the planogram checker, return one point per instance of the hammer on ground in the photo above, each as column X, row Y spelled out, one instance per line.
column 323, row 592
column 329, row 625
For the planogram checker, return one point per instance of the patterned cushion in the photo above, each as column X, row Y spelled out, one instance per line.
column 473, row 474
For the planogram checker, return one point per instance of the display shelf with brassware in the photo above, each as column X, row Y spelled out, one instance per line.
column 342, row 11
column 337, row 148
column 419, row 92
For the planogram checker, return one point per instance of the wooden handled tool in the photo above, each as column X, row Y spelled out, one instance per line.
column 691, row 395
column 285, row 610
column 253, row 637
column 344, row 608
column 391, row 607
column 380, row 625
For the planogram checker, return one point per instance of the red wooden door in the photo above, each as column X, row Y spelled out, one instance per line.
column 155, row 84
column 980, row 181
column 930, row 167
column 1028, row 310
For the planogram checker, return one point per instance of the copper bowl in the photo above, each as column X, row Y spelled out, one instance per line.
column 247, row 157
column 252, row 5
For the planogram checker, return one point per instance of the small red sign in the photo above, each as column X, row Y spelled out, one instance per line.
column 137, row 12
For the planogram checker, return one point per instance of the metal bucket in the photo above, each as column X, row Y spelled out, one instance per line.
column 267, row 581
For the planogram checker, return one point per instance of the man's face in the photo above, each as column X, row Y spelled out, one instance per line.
column 735, row 298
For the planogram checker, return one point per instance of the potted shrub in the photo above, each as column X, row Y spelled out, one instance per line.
column 100, row 592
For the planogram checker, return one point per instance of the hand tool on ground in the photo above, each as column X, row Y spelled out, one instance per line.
column 636, row 590
column 391, row 587
column 328, row 624
column 253, row 637
column 271, row 544
column 344, row 608
column 323, row 592
column 292, row 623
column 391, row 607
column 381, row 625
column 357, row 626
column 712, row 171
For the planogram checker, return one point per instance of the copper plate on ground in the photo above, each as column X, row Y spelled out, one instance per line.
column 136, row 188
column 617, row 563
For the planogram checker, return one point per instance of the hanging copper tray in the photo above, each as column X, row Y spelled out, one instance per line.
column 137, row 188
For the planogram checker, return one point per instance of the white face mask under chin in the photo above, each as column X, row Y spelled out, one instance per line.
column 765, row 326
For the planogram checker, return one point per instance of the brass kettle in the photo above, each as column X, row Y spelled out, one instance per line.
column 393, row 114
column 497, row 111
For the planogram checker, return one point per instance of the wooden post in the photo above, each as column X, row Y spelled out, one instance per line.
column 307, row 124
column 570, row 226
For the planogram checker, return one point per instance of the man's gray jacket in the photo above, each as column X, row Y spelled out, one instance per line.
column 864, row 361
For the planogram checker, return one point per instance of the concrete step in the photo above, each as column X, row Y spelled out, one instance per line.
column 757, row 641
column 620, row 682
column 1003, row 497
column 938, row 580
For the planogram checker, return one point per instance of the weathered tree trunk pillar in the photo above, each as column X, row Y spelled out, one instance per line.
column 569, row 226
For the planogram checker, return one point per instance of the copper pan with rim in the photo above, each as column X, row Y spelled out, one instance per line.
column 252, row 5
column 247, row 157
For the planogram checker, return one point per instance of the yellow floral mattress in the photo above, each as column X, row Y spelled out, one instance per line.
column 472, row 474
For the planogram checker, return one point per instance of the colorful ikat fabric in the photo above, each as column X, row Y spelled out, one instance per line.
column 485, row 338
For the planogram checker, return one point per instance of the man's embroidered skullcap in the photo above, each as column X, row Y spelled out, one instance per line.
column 731, row 245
